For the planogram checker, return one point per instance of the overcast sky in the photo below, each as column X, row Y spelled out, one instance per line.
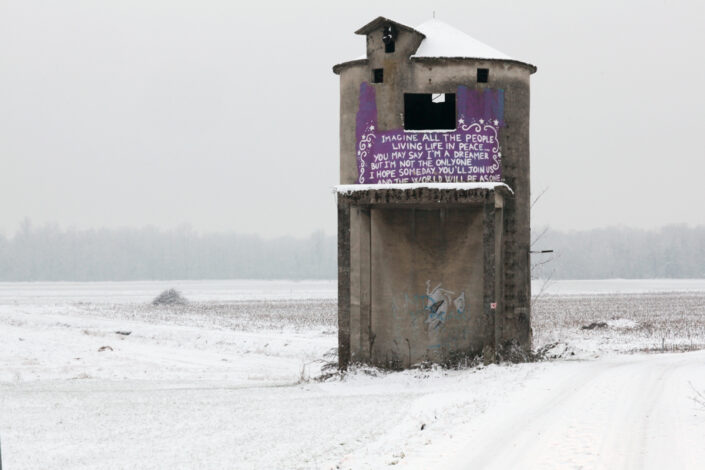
column 224, row 116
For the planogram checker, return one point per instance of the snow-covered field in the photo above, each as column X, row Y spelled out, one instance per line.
column 93, row 376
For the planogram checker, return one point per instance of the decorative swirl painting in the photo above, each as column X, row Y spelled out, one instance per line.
column 470, row 152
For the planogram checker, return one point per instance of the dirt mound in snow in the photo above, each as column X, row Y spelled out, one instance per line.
column 616, row 323
column 594, row 325
column 169, row 297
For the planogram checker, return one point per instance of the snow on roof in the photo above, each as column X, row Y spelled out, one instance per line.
column 443, row 40
column 352, row 188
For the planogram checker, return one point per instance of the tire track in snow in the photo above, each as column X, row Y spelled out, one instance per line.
column 516, row 437
column 607, row 416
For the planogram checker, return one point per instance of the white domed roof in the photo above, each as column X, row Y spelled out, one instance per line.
column 443, row 40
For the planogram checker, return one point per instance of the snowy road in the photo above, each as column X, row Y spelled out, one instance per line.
column 618, row 413
column 633, row 412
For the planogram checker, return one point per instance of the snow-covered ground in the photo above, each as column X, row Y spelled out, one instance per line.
column 226, row 382
column 144, row 291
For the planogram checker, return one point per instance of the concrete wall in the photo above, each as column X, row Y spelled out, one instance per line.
column 407, row 248
column 418, row 274
column 426, row 284
column 437, row 76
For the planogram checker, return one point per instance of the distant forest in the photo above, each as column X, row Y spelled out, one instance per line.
column 674, row 251
column 49, row 253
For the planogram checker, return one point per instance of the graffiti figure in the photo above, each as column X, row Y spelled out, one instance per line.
column 438, row 301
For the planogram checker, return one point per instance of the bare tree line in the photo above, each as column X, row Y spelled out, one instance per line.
column 49, row 253
column 673, row 251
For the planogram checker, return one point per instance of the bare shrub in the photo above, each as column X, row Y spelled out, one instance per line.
column 169, row 297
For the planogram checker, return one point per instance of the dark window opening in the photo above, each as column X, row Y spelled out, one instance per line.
column 425, row 111
column 389, row 35
column 377, row 75
column 483, row 75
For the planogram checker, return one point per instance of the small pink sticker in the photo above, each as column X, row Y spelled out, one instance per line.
column 493, row 305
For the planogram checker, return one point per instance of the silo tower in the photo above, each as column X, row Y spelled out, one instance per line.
column 434, row 198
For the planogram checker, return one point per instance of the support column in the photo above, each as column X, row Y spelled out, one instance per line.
column 343, row 286
column 365, row 264
column 360, row 294
column 488, row 248
column 499, row 269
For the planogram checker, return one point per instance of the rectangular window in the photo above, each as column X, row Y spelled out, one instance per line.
column 389, row 47
column 377, row 75
column 483, row 75
column 429, row 111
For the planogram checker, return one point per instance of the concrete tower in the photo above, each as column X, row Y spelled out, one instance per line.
column 433, row 201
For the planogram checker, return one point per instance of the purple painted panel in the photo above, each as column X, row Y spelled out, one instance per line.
column 469, row 153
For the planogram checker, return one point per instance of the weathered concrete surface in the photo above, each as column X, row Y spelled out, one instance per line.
column 421, row 278
column 506, row 266
column 343, row 285
column 427, row 284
